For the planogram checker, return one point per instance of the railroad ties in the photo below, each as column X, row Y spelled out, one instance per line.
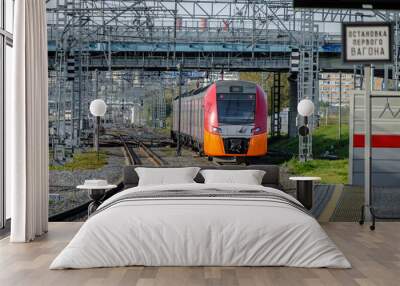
column 134, row 158
column 154, row 157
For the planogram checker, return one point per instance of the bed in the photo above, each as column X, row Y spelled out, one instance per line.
column 196, row 224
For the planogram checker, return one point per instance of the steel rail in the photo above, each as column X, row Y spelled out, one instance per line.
column 133, row 158
column 157, row 160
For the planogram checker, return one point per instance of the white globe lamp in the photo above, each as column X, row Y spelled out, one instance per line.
column 98, row 107
column 305, row 107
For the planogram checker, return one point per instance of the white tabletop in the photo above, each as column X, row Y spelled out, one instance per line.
column 87, row 187
column 305, row 178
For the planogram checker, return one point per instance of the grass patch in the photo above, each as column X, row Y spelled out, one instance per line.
column 83, row 161
column 163, row 131
column 325, row 138
column 325, row 141
column 331, row 172
column 170, row 152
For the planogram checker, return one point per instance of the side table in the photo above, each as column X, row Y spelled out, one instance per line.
column 97, row 191
column 305, row 190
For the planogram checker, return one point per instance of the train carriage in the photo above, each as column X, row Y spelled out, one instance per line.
column 224, row 119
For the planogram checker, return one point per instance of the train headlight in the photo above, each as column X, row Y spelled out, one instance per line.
column 256, row 130
column 216, row 130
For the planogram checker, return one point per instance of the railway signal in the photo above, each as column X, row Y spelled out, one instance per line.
column 98, row 109
column 305, row 108
column 295, row 60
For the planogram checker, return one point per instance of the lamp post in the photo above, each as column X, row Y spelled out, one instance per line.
column 340, row 106
column 305, row 108
column 52, row 135
column 178, row 146
column 98, row 109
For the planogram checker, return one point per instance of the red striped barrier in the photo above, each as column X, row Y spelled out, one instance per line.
column 378, row 141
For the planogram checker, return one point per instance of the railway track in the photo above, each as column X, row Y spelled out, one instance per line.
column 131, row 149
column 81, row 211
column 153, row 156
column 133, row 157
column 230, row 162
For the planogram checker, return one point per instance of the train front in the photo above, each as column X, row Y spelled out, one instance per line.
column 235, row 120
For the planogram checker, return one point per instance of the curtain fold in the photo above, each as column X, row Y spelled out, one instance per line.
column 27, row 120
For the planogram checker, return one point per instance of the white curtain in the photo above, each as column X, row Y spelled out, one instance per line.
column 27, row 120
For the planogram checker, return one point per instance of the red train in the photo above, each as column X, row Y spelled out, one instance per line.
column 226, row 118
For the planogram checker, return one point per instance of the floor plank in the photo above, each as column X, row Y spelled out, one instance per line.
column 375, row 257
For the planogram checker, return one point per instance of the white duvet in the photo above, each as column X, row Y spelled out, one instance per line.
column 200, row 232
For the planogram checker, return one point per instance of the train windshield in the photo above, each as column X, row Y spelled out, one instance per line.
column 236, row 108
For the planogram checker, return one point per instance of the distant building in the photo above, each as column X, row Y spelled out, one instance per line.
column 329, row 87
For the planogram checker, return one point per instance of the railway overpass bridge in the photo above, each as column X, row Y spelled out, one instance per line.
column 87, row 37
column 200, row 56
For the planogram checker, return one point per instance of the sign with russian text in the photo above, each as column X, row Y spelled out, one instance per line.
column 367, row 43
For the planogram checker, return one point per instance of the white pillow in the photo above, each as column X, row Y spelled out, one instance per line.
column 247, row 177
column 166, row 176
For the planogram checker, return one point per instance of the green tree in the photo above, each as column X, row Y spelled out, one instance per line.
column 266, row 81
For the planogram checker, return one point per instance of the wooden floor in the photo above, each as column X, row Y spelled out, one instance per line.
column 375, row 257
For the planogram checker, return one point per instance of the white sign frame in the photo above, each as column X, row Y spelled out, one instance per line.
column 387, row 42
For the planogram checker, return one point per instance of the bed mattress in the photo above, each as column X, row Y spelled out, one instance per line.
column 201, row 225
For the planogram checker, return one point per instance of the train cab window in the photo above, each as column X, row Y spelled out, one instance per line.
column 236, row 108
